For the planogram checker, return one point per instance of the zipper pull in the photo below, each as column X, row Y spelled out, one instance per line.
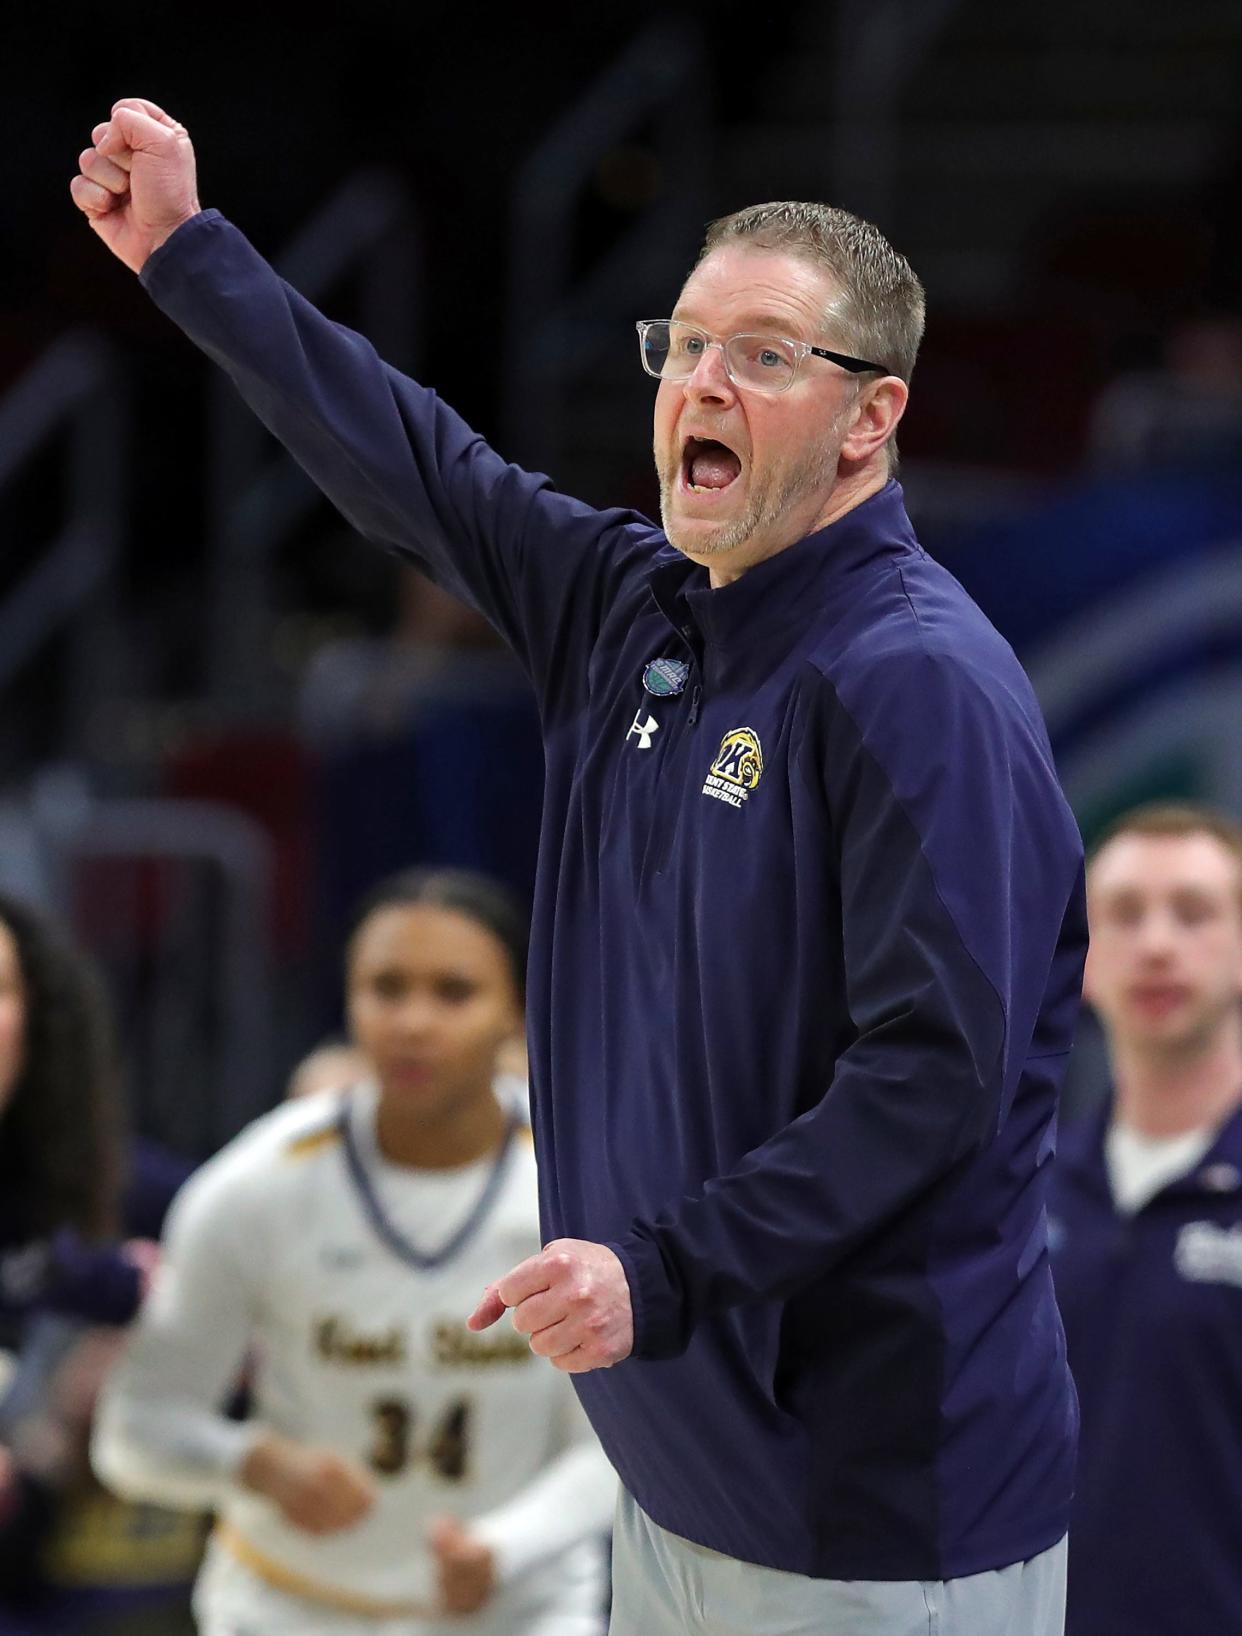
column 696, row 698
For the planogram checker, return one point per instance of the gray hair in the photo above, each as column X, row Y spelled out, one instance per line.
column 881, row 307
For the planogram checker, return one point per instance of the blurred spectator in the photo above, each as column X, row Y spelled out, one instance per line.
column 1186, row 412
column 70, row 1556
column 512, row 1059
column 77, row 1560
column 333, row 1065
column 59, row 1165
column 1146, row 1236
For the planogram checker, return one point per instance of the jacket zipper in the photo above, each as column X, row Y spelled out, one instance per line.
column 660, row 847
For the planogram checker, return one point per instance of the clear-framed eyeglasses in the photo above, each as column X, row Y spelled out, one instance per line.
column 671, row 351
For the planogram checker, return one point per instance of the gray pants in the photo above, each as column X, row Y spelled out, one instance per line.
column 663, row 1585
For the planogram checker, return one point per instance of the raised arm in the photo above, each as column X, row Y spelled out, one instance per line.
column 160, row 1430
column 400, row 465
column 572, row 1499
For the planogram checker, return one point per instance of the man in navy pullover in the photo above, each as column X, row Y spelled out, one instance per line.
column 808, row 928
column 1147, row 1236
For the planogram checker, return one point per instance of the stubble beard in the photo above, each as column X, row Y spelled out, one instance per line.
column 769, row 501
column 1196, row 1036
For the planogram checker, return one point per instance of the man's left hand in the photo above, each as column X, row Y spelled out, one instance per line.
column 572, row 1299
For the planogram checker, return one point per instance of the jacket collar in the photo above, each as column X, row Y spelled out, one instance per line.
column 790, row 589
column 1080, row 1151
column 1219, row 1171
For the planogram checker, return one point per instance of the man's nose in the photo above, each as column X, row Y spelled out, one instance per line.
column 1156, row 934
column 710, row 380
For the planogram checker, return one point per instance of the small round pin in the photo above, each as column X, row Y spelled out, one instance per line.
column 1220, row 1178
column 665, row 678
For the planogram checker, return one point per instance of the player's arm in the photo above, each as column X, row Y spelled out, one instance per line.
column 570, row 1500
column 960, row 882
column 400, row 465
column 160, row 1431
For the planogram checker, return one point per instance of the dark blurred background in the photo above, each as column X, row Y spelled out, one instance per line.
column 222, row 716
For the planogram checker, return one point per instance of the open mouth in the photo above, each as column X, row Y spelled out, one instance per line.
column 707, row 465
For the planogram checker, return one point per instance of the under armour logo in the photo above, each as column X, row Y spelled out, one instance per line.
column 643, row 730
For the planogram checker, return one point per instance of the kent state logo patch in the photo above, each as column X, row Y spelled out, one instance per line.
column 737, row 769
column 1207, row 1253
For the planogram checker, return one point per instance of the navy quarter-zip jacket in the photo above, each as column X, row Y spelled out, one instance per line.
column 1153, row 1312
column 805, row 963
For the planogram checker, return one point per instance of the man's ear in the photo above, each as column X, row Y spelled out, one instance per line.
column 874, row 417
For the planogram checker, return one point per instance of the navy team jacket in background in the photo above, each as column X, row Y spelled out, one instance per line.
column 66, row 1274
column 805, row 966
column 1153, row 1312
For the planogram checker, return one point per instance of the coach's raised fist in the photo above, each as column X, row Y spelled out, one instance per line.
column 137, row 182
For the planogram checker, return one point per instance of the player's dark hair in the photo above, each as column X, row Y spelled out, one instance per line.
column 478, row 897
column 59, row 1133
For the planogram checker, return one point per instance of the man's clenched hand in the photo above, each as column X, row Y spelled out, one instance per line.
column 572, row 1299
column 137, row 183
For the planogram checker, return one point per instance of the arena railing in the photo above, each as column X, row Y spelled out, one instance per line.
column 649, row 109
column 257, row 496
column 74, row 396
column 173, row 897
column 878, row 50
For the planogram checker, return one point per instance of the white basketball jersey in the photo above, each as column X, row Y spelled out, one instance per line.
column 351, row 1279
